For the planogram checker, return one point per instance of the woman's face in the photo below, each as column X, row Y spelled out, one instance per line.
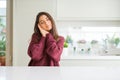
column 45, row 23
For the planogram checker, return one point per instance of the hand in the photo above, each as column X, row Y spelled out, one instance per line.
column 43, row 32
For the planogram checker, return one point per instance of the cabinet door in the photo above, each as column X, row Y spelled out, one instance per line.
column 88, row 9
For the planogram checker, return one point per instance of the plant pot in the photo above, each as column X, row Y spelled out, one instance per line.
column 65, row 52
column 2, row 60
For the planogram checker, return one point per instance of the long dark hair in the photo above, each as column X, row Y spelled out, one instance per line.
column 53, row 31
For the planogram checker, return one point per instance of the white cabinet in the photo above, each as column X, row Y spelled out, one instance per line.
column 88, row 9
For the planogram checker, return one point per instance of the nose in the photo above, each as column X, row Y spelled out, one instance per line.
column 46, row 22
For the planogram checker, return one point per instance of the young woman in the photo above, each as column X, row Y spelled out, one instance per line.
column 46, row 45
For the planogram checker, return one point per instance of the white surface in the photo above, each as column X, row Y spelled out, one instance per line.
column 59, row 73
column 90, row 57
column 88, row 10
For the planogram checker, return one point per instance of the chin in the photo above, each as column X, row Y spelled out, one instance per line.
column 48, row 30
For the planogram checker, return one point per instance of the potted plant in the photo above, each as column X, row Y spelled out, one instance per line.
column 113, row 41
column 66, row 44
column 2, row 44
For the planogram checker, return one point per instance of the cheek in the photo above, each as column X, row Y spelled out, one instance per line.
column 43, row 26
column 50, row 24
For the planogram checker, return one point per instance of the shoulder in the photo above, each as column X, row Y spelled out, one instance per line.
column 34, row 35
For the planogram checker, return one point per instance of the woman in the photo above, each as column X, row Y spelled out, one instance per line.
column 46, row 45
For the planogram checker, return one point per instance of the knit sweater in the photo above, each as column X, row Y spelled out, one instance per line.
column 46, row 51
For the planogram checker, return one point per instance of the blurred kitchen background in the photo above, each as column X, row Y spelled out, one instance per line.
column 91, row 41
column 91, row 29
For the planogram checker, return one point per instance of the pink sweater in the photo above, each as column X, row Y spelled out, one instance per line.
column 46, row 51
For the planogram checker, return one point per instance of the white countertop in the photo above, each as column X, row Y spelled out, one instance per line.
column 90, row 57
column 59, row 73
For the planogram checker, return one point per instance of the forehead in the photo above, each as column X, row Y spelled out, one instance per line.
column 43, row 17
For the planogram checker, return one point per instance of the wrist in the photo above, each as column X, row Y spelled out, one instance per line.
column 44, row 35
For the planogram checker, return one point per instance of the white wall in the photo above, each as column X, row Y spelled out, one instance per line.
column 24, row 13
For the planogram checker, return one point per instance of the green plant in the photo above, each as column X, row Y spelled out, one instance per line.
column 2, row 53
column 3, row 44
column 94, row 42
column 69, row 39
column 65, row 44
column 117, row 41
column 110, row 39
column 2, row 39
column 113, row 40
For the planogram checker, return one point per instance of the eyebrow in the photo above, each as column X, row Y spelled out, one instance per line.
column 45, row 18
column 41, row 20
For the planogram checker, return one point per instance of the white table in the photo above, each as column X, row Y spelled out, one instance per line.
column 59, row 73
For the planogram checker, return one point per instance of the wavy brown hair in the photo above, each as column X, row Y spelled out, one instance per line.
column 53, row 31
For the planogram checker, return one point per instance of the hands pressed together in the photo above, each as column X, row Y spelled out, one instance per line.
column 43, row 32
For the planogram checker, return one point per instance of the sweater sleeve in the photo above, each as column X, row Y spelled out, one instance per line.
column 35, row 49
column 54, row 48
